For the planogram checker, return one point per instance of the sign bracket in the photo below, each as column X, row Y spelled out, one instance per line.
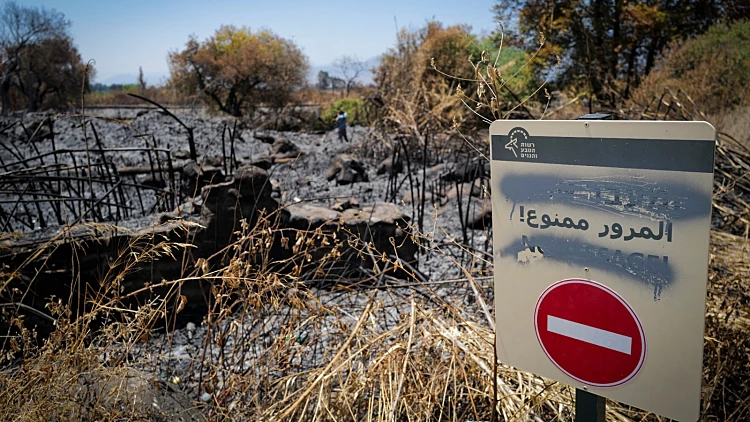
column 590, row 407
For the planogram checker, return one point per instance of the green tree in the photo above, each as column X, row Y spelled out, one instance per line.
column 713, row 68
column 237, row 67
column 608, row 45
column 324, row 80
column 428, row 77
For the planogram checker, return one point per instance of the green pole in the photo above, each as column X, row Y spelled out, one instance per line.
column 590, row 407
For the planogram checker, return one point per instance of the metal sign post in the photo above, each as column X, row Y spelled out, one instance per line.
column 601, row 234
column 590, row 407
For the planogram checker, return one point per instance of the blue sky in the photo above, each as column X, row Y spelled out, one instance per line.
column 123, row 35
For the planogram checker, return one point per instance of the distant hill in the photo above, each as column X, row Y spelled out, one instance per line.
column 160, row 78
column 152, row 78
column 367, row 77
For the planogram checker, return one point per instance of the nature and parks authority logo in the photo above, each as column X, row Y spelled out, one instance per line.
column 519, row 145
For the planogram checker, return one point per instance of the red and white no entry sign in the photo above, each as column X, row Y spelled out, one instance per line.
column 590, row 333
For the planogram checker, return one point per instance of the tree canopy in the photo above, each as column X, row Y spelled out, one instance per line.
column 433, row 67
column 39, row 63
column 236, row 68
column 608, row 45
column 714, row 68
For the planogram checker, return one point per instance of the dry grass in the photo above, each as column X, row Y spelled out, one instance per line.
column 276, row 348
column 162, row 95
column 318, row 342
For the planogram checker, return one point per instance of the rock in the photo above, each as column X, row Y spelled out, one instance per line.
column 387, row 167
column 263, row 161
column 266, row 139
column 464, row 191
column 181, row 154
column 191, row 170
column 36, row 128
column 190, row 328
column 195, row 177
column 345, row 204
column 241, row 197
column 127, row 394
column 466, row 172
column 436, row 170
column 252, row 181
column 346, row 169
column 154, row 181
column 214, row 161
column 480, row 214
column 378, row 225
column 381, row 212
column 303, row 181
column 284, row 148
column 307, row 216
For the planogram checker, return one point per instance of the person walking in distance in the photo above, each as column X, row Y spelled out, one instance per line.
column 341, row 124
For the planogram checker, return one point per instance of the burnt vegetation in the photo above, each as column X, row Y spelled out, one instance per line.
column 207, row 249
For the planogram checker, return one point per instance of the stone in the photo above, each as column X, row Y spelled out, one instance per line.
column 284, row 148
column 345, row 204
column 480, row 214
column 464, row 191
column 436, row 170
column 478, row 168
column 303, row 181
column 241, row 197
column 214, row 161
column 181, row 154
column 387, row 166
column 266, row 139
column 196, row 176
column 129, row 394
column 308, row 216
column 377, row 225
column 154, row 181
column 263, row 161
column 346, row 170
column 252, row 181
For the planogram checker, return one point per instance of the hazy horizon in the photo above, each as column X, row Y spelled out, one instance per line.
column 121, row 37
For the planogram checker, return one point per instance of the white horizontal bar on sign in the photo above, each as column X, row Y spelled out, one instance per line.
column 592, row 335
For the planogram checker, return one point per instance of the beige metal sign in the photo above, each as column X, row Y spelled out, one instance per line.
column 601, row 232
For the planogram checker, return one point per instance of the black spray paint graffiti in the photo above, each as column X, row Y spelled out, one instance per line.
column 621, row 195
column 652, row 270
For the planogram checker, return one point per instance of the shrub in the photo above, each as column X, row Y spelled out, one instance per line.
column 713, row 68
column 355, row 109
column 436, row 77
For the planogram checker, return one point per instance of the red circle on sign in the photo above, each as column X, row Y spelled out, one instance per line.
column 590, row 333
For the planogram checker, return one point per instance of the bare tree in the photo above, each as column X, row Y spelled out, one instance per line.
column 20, row 28
column 351, row 67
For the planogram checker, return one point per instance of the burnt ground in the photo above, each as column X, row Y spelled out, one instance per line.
column 303, row 178
column 139, row 142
